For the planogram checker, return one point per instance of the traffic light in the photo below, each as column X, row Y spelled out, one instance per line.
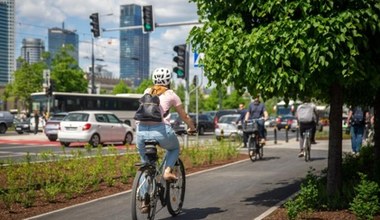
column 180, row 59
column 95, row 24
column 50, row 89
column 147, row 19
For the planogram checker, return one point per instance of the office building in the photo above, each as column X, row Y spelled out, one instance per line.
column 59, row 37
column 32, row 50
column 7, row 40
column 134, row 46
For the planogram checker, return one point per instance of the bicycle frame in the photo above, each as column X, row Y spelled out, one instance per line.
column 149, row 186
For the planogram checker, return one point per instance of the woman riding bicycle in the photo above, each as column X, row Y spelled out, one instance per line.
column 162, row 131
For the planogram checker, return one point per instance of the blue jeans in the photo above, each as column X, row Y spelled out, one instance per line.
column 165, row 136
column 356, row 137
column 261, row 127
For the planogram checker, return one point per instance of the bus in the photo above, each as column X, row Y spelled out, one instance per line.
column 281, row 108
column 123, row 106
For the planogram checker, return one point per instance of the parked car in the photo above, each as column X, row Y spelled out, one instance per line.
column 211, row 113
column 271, row 122
column 205, row 124
column 22, row 125
column 227, row 125
column 93, row 127
column 220, row 113
column 52, row 124
column 6, row 121
column 285, row 121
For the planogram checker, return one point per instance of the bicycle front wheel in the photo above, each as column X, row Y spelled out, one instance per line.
column 143, row 201
column 176, row 190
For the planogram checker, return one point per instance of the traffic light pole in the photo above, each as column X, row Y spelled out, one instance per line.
column 93, row 91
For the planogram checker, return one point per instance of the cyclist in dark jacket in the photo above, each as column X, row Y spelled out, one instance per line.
column 256, row 110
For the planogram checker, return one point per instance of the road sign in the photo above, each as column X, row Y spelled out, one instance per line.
column 197, row 58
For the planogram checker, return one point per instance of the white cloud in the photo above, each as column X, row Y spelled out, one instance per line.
column 34, row 17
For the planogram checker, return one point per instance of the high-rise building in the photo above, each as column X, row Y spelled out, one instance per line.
column 7, row 40
column 134, row 46
column 59, row 37
column 32, row 49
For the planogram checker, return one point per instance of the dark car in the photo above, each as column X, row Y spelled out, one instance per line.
column 205, row 124
column 22, row 125
column 285, row 121
column 6, row 121
column 52, row 125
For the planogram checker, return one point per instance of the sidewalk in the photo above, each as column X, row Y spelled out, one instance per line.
column 321, row 144
column 11, row 135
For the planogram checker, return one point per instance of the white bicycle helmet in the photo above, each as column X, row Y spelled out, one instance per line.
column 161, row 76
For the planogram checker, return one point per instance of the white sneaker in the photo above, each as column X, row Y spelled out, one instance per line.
column 301, row 154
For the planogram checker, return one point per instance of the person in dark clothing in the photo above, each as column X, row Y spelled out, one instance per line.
column 356, row 120
column 36, row 120
column 257, row 111
column 243, row 112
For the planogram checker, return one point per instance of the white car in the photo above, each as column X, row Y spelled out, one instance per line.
column 226, row 126
column 93, row 127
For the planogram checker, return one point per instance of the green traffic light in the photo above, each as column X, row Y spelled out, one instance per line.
column 180, row 73
column 148, row 27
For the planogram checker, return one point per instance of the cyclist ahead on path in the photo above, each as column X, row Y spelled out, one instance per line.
column 162, row 131
column 307, row 118
column 257, row 111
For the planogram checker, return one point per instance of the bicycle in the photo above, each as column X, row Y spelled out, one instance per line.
column 236, row 137
column 149, row 186
column 307, row 144
column 255, row 148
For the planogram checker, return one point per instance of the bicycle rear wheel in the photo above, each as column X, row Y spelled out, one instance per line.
column 307, row 149
column 143, row 201
column 252, row 148
column 260, row 151
column 176, row 190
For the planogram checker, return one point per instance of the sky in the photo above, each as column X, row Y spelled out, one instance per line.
column 35, row 17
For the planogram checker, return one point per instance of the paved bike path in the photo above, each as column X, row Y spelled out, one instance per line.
column 242, row 190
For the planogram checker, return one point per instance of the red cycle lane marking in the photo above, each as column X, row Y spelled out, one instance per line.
column 57, row 144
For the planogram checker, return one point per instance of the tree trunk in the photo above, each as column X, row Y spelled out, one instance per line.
column 334, row 168
column 377, row 138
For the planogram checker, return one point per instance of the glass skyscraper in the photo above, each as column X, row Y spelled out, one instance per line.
column 134, row 46
column 59, row 37
column 32, row 49
column 7, row 40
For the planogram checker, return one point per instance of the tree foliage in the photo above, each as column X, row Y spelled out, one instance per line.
column 143, row 85
column 26, row 80
column 282, row 46
column 65, row 72
column 294, row 49
column 121, row 87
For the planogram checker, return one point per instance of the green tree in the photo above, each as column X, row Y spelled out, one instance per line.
column 121, row 87
column 146, row 83
column 27, row 79
column 293, row 49
column 65, row 72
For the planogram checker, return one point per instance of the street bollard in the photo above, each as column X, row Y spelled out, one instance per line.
column 275, row 134
column 286, row 134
